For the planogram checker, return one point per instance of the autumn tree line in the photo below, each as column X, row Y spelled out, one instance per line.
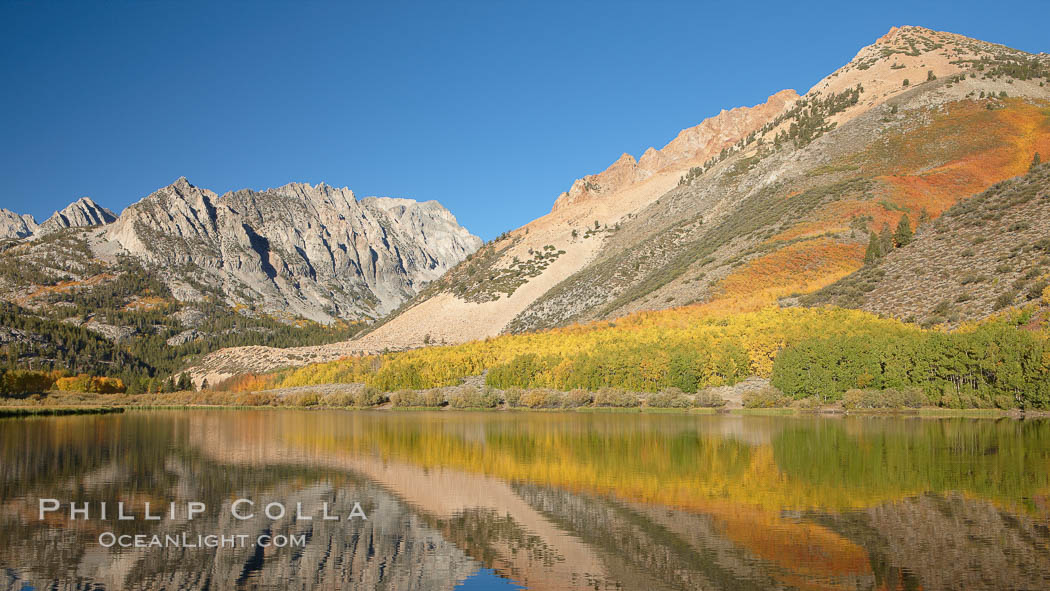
column 814, row 354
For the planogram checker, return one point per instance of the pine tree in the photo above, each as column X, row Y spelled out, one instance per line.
column 874, row 251
column 1036, row 160
column 924, row 218
column 903, row 236
column 885, row 239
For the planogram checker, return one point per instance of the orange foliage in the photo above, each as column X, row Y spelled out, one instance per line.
column 796, row 268
column 246, row 382
column 146, row 303
column 963, row 151
column 64, row 287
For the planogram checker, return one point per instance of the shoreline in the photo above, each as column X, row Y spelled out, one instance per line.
column 37, row 410
column 44, row 410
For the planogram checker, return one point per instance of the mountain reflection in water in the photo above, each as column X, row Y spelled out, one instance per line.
column 537, row 500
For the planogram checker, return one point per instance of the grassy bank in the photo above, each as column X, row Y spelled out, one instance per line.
column 760, row 400
column 27, row 411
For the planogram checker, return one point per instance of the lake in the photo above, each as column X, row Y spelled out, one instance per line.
column 510, row 500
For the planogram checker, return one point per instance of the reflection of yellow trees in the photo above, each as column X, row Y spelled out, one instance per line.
column 685, row 462
column 679, row 461
column 688, row 348
column 668, row 463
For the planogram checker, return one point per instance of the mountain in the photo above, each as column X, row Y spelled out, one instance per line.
column 305, row 251
column 754, row 205
column 82, row 213
column 750, row 207
column 14, row 225
column 184, row 271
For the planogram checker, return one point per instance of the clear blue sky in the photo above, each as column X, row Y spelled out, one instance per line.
column 491, row 107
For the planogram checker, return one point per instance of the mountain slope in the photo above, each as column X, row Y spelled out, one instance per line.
column 984, row 254
column 789, row 212
column 775, row 206
column 482, row 296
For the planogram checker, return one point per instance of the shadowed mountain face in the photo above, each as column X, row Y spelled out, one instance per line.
column 549, row 501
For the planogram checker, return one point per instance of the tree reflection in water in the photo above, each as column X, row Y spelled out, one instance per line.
column 548, row 501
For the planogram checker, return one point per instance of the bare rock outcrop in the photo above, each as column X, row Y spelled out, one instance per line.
column 295, row 251
column 16, row 225
column 82, row 213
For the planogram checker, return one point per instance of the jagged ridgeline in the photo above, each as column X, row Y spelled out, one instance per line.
column 184, row 272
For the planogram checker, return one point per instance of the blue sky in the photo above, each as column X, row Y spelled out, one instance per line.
column 492, row 108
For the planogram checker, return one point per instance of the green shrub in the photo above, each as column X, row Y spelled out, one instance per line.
column 256, row 399
column 303, row 399
column 1006, row 299
column 403, row 398
column 889, row 398
column 512, row 396
column 431, row 398
column 616, row 397
column 958, row 399
column 471, row 397
column 768, row 397
column 708, row 399
column 338, row 399
column 669, row 398
column 808, row 403
column 542, row 399
column 577, row 398
column 1006, row 402
column 369, row 396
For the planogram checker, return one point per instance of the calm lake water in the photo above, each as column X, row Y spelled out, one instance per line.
column 534, row 500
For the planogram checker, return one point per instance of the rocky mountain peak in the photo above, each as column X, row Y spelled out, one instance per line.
column 313, row 251
column 82, row 213
column 905, row 57
column 179, row 209
column 16, row 225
